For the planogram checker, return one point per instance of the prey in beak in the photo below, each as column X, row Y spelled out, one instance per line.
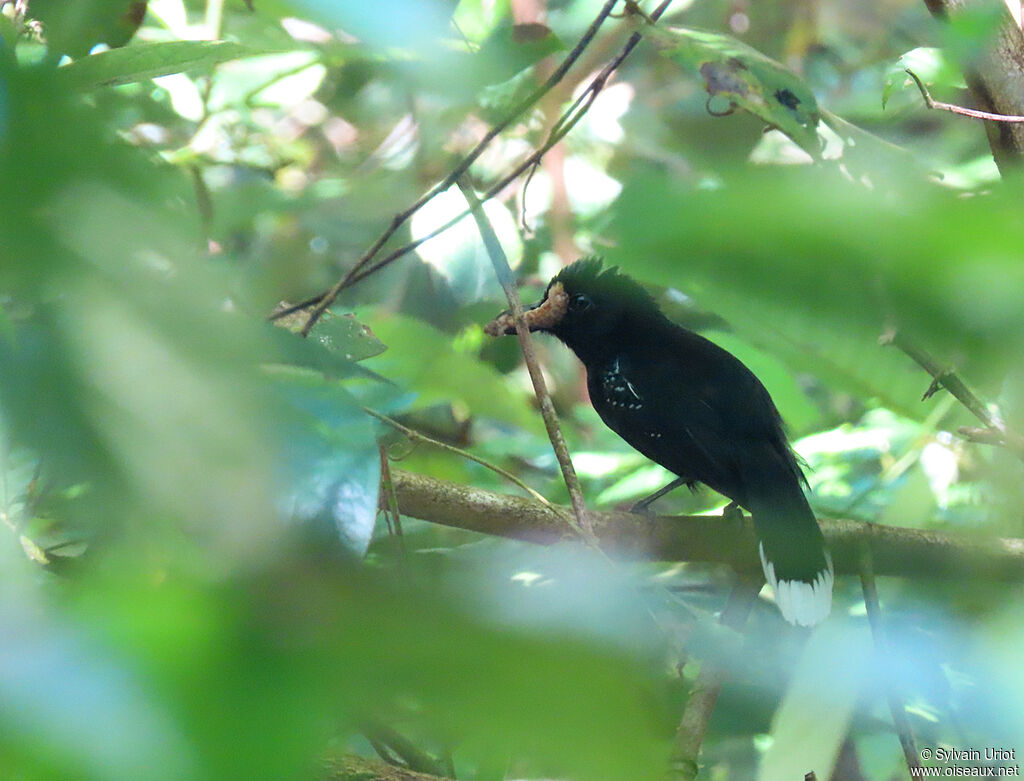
column 540, row 317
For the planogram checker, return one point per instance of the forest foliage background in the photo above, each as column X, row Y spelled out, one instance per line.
column 196, row 579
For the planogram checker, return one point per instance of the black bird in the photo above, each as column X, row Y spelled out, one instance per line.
column 694, row 408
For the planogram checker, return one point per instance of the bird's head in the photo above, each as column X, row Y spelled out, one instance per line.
column 584, row 304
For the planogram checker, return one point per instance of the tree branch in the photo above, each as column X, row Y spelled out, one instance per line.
column 350, row 767
column 895, row 551
column 415, row 758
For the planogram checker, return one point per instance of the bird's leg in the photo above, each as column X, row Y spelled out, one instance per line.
column 641, row 506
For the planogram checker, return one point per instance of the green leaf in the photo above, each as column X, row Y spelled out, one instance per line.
column 743, row 77
column 422, row 359
column 62, row 689
column 147, row 61
column 341, row 335
column 408, row 24
column 513, row 48
column 8, row 32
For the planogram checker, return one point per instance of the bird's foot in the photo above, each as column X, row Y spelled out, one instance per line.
column 732, row 513
column 643, row 507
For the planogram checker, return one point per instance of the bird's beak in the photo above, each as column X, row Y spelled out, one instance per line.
column 540, row 317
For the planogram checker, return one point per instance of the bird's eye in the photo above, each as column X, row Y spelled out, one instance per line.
column 580, row 303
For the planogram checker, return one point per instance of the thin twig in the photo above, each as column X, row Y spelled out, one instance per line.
column 463, row 165
column 204, row 205
column 950, row 380
column 952, row 107
column 693, row 725
column 899, row 712
column 416, row 436
column 547, row 408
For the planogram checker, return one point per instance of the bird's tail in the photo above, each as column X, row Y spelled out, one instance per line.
column 796, row 562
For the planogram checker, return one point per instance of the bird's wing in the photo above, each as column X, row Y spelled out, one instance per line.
column 657, row 408
column 690, row 409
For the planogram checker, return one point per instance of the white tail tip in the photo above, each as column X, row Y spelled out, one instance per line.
column 800, row 602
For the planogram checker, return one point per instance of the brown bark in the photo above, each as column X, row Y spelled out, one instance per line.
column 895, row 551
column 350, row 767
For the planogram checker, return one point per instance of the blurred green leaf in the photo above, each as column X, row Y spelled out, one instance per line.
column 8, row 32
column 510, row 49
column 331, row 463
column 147, row 61
column 812, row 720
column 787, row 258
column 74, row 28
column 506, row 53
column 415, row 24
column 281, row 79
column 72, row 710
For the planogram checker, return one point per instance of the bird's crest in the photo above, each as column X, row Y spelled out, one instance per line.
column 590, row 275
